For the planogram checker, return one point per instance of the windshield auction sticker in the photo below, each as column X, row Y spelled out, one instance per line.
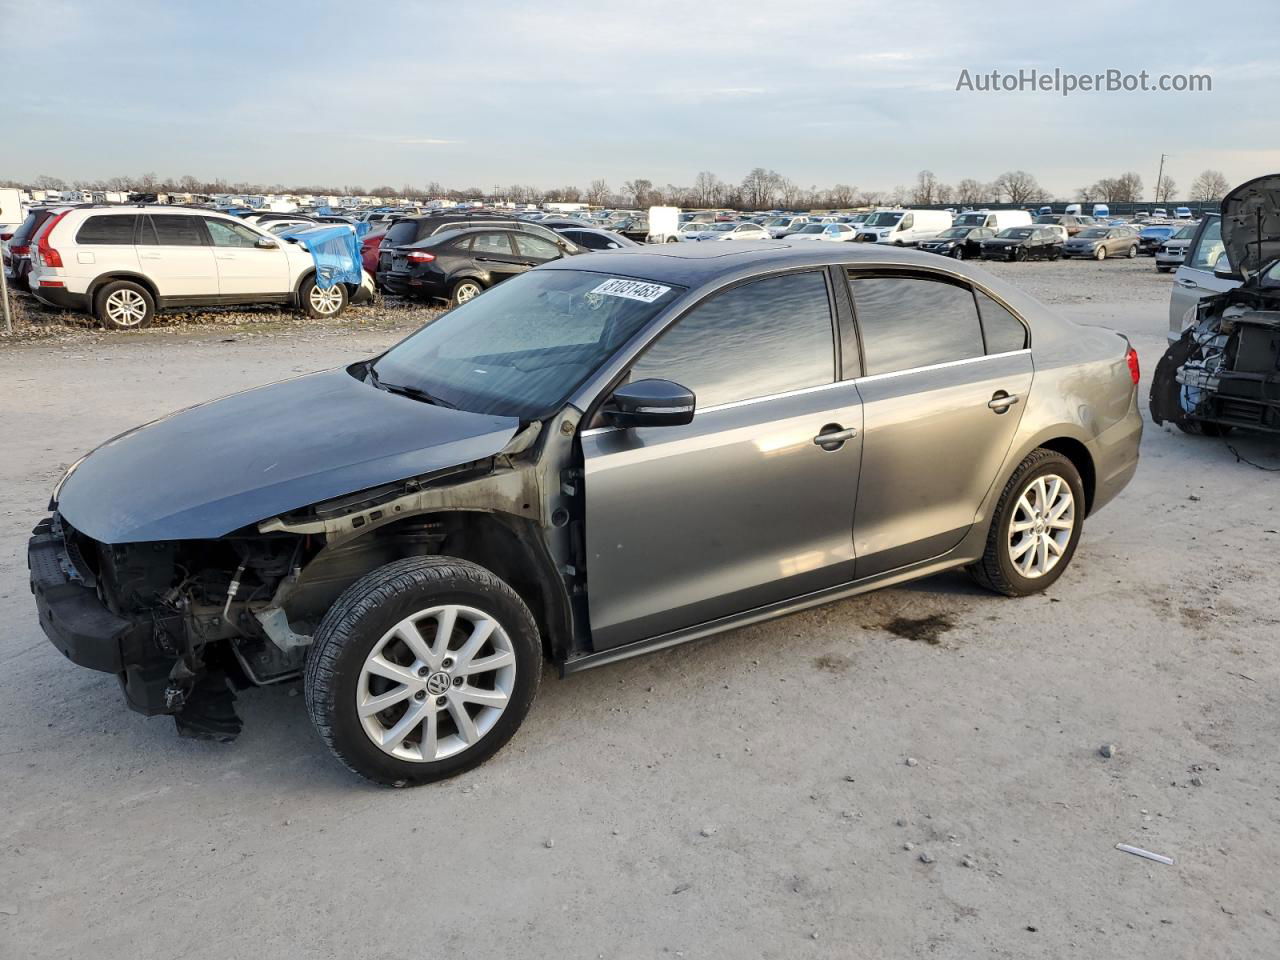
column 632, row 290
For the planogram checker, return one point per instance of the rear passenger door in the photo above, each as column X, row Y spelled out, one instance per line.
column 945, row 380
column 741, row 507
column 496, row 256
column 174, row 252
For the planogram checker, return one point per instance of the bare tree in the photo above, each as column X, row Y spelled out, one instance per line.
column 598, row 192
column 1210, row 185
column 1018, row 186
column 638, row 192
column 759, row 188
column 944, row 193
column 842, row 195
column 1128, row 188
column 1166, row 189
column 969, row 192
column 46, row 182
column 926, row 189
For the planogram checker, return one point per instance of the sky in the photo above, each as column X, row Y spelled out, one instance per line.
column 551, row 94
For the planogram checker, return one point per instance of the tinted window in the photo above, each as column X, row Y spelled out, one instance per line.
column 528, row 246
column 113, row 228
column 403, row 231
column 1002, row 330
column 178, row 231
column 227, row 234
column 911, row 322
column 761, row 338
column 491, row 243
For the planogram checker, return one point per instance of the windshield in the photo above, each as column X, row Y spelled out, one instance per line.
column 1157, row 231
column 1093, row 234
column 1049, row 218
column 522, row 347
column 1184, row 234
column 971, row 219
column 954, row 233
column 722, row 227
column 884, row 218
column 1014, row 233
column 812, row 228
column 778, row 222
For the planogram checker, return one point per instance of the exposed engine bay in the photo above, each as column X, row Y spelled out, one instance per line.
column 1225, row 370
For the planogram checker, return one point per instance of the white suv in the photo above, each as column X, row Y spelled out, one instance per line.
column 122, row 264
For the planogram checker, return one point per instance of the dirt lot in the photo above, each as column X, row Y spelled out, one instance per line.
column 748, row 796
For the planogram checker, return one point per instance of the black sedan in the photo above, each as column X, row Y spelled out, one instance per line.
column 593, row 238
column 1023, row 243
column 459, row 264
column 959, row 242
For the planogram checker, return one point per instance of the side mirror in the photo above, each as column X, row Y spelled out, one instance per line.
column 266, row 243
column 1222, row 268
column 650, row 403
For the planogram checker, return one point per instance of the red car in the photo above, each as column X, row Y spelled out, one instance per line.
column 369, row 250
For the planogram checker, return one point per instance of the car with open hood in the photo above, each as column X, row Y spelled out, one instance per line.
column 606, row 456
column 1223, row 370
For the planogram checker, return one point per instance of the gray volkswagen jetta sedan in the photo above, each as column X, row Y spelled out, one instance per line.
column 600, row 458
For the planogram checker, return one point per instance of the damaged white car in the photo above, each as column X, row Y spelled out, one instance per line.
column 1224, row 371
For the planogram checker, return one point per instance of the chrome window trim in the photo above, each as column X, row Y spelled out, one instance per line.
column 827, row 386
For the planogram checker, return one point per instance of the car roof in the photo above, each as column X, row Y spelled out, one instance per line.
column 695, row 264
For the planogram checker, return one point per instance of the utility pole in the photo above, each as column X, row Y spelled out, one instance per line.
column 4, row 298
column 1160, row 175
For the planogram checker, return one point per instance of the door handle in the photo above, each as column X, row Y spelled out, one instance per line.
column 488, row 260
column 225, row 256
column 148, row 256
column 1002, row 401
column 1189, row 284
column 833, row 436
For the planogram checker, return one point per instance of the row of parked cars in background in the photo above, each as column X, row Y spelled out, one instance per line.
column 125, row 263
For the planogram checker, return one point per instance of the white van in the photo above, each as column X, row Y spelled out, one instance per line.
column 997, row 220
column 903, row 227
column 1101, row 210
column 1073, row 210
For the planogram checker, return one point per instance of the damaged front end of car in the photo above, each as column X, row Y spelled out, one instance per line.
column 1224, row 371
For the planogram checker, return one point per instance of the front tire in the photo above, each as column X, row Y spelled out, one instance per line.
column 1035, row 526
column 321, row 304
column 421, row 670
column 124, row 305
column 1100, row 253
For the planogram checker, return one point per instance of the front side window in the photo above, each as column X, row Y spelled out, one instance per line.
column 755, row 340
column 909, row 322
column 224, row 233
column 536, row 247
column 110, row 229
column 173, row 230
column 1210, row 246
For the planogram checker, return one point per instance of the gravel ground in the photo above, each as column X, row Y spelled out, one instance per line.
column 912, row 773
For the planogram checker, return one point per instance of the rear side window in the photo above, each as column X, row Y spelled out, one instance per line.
column 112, row 228
column 491, row 243
column 762, row 338
column 1001, row 329
column 909, row 322
column 178, row 231
column 29, row 227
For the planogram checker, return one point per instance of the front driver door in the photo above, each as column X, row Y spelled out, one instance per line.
column 244, row 268
column 740, row 508
column 496, row 256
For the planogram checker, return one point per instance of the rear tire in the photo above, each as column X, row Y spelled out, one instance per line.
column 124, row 305
column 321, row 304
column 465, row 290
column 1044, row 492
column 434, row 722
column 1133, row 252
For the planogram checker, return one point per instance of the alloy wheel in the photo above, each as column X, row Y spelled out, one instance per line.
column 436, row 683
column 466, row 291
column 326, row 301
column 126, row 308
column 1043, row 522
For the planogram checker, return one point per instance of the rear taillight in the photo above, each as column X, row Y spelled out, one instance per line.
column 21, row 251
column 5, row 237
column 417, row 256
column 1131, row 358
column 49, row 256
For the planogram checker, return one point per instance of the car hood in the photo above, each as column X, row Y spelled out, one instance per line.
column 1250, row 207
column 208, row 470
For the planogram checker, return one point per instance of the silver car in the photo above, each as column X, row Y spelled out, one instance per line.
column 603, row 457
